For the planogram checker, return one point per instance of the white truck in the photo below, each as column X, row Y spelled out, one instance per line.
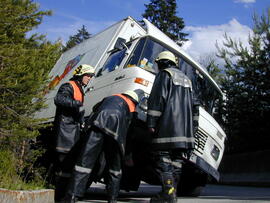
column 123, row 55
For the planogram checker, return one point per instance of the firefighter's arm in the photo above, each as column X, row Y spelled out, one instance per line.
column 157, row 100
column 64, row 97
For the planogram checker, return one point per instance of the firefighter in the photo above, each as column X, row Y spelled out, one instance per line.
column 68, row 119
column 170, row 121
column 107, row 130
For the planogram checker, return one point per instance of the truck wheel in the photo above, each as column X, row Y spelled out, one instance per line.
column 190, row 191
column 192, row 182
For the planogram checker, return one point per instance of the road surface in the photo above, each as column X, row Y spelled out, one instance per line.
column 211, row 194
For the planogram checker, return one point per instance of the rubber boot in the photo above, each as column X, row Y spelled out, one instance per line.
column 168, row 193
column 71, row 199
column 113, row 190
column 163, row 198
column 176, row 181
column 112, row 200
column 177, row 174
column 60, row 188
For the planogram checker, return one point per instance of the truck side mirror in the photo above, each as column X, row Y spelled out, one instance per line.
column 99, row 73
column 120, row 43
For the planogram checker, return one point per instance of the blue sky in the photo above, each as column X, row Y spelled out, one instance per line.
column 206, row 20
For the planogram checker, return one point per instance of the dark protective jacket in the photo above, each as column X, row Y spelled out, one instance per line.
column 170, row 111
column 112, row 116
column 68, row 116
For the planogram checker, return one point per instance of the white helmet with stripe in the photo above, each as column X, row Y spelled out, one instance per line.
column 84, row 69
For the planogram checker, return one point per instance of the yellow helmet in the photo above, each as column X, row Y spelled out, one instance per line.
column 84, row 69
column 167, row 55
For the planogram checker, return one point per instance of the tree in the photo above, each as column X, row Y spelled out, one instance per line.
column 247, row 86
column 162, row 13
column 24, row 66
column 209, row 62
column 81, row 35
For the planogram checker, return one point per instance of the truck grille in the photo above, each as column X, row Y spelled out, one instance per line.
column 200, row 141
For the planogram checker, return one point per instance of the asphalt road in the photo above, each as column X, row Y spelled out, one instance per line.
column 211, row 194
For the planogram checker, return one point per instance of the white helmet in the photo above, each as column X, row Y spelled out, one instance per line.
column 136, row 95
column 167, row 55
column 84, row 69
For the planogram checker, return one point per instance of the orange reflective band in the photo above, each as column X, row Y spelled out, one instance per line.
column 130, row 103
column 77, row 95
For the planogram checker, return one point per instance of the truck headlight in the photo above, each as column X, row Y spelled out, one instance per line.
column 215, row 152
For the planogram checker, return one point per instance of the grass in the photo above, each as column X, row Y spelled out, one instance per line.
column 10, row 177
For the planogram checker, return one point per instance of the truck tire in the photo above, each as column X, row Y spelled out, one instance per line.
column 192, row 182
column 190, row 191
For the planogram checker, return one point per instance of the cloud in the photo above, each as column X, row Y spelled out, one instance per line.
column 202, row 40
column 245, row 1
column 64, row 26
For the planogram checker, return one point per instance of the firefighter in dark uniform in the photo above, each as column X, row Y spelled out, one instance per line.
column 170, row 121
column 107, row 132
column 68, row 119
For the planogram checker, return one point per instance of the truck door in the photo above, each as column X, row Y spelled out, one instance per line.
column 100, row 86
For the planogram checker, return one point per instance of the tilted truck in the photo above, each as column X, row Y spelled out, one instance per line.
column 124, row 55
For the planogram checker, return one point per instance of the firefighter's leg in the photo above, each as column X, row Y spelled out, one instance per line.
column 61, row 176
column 165, row 168
column 113, row 158
column 85, row 163
column 64, row 171
column 177, row 162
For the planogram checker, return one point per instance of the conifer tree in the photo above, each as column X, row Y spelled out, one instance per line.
column 24, row 66
column 81, row 35
column 162, row 13
column 247, row 86
column 210, row 64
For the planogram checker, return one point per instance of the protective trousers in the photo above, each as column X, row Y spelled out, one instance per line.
column 168, row 165
column 63, row 165
column 96, row 142
column 62, row 175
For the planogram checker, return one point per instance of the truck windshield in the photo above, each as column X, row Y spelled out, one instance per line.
column 204, row 91
column 145, row 54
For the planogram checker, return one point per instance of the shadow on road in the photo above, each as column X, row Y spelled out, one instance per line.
column 97, row 193
column 235, row 192
column 211, row 194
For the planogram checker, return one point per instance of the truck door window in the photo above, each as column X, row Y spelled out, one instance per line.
column 145, row 54
column 112, row 62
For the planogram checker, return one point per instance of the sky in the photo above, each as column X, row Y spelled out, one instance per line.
column 206, row 21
